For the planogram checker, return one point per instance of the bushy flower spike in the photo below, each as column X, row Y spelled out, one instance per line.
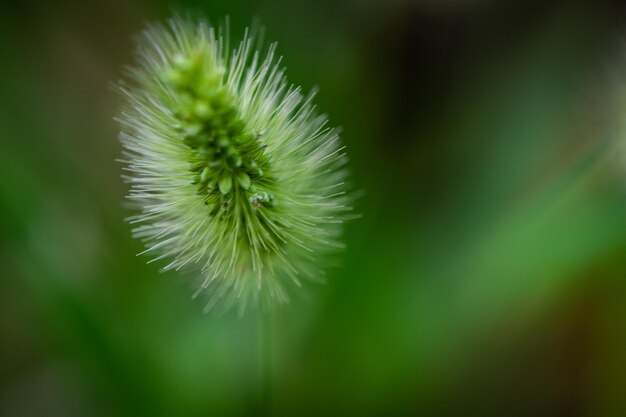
column 235, row 174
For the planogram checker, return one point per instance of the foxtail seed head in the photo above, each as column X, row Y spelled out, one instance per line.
column 234, row 173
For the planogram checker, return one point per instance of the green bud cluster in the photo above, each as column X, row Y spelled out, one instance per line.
column 228, row 158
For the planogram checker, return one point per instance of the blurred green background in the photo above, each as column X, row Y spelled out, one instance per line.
column 485, row 277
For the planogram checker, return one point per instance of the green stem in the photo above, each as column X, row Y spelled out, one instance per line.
column 265, row 363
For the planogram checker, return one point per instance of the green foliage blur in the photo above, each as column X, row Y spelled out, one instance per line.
column 485, row 277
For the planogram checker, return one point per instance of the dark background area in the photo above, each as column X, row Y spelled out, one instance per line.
column 485, row 277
